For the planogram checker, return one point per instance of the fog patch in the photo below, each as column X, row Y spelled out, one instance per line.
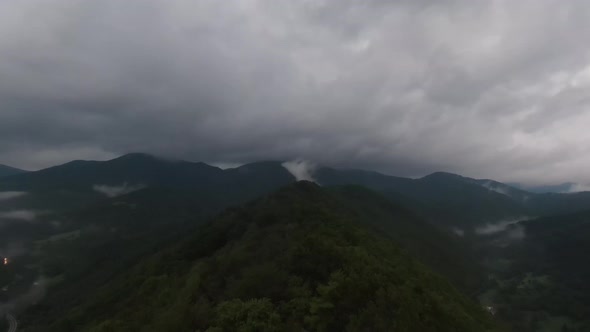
column 13, row 249
column 302, row 170
column 516, row 232
column 6, row 195
column 33, row 296
column 458, row 232
column 114, row 191
column 577, row 187
column 497, row 227
column 55, row 223
column 226, row 165
column 496, row 188
column 21, row 215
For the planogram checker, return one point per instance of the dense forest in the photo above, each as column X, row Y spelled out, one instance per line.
column 297, row 259
column 187, row 244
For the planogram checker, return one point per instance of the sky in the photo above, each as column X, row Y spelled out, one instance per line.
column 489, row 89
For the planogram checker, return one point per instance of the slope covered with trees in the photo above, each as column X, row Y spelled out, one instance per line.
column 299, row 259
column 541, row 283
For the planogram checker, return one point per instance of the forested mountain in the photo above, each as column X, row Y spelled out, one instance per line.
column 458, row 201
column 137, row 169
column 79, row 227
column 79, row 183
column 444, row 198
column 303, row 258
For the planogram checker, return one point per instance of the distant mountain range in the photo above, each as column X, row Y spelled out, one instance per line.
column 114, row 236
column 444, row 198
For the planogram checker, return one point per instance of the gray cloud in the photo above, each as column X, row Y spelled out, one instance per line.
column 495, row 89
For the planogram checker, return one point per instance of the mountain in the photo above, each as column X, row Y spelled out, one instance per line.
column 131, row 169
column 78, row 183
column 303, row 258
column 447, row 199
column 87, row 220
column 87, row 226
column 451, row 200
column 444, row 198
column 442, row 251
column 7, row 170
column 138, row 169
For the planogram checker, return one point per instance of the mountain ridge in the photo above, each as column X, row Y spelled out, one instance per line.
column 285, row 261
column 6, row 170
column 449, row 199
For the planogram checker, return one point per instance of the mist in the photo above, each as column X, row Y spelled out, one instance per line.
column 497, row 227
column 114, row 191
column 302, row 170
column 8, row 195
column 577, row 187
column 20, row 215
column 35, row 294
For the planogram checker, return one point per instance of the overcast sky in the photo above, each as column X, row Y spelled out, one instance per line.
column 495, row 89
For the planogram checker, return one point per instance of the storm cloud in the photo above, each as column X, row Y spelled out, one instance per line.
column 492, row 89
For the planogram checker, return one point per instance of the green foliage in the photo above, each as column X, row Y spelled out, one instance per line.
column 255, row 315
column 296, row 260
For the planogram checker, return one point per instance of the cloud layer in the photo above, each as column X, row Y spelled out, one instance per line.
column 494, row 89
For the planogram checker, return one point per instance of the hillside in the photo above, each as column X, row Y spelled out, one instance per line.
column 8, row 171
column 84, row 223
column 447, row 199
column 452, row 200
column 444, row 198
column 79, row 183
column 442, row 251
column 297, row 259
